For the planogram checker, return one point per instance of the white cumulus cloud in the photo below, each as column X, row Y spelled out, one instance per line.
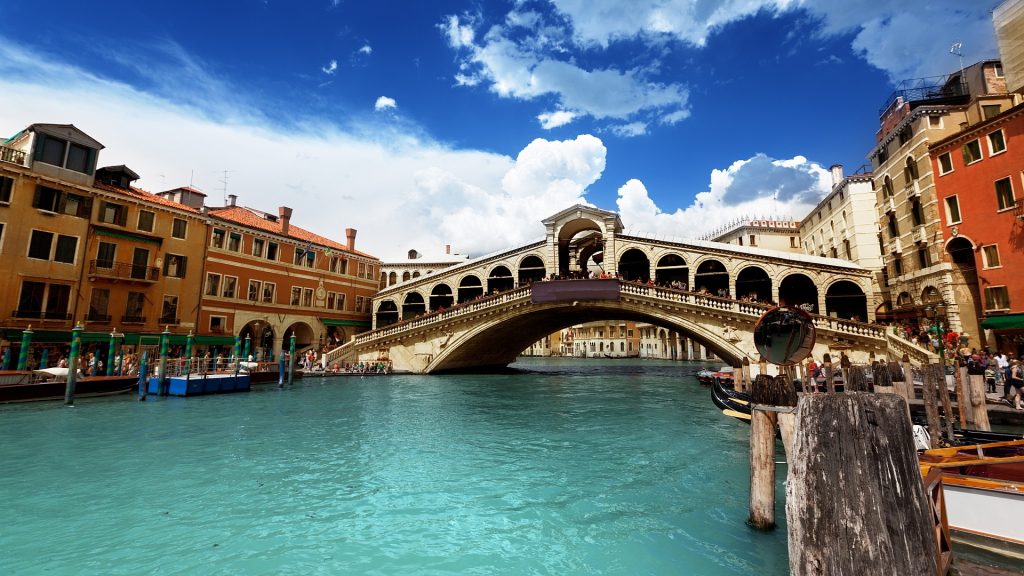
column 550, row 120
column 384, row 103
column 365, row 49
column 331, row 67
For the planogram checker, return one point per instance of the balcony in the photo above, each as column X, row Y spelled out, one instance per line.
column 895, row 247
column 126, row 319
column 921, row 235
column 123, row 271
column 889, row 204
column 12, row 156
column 912, row 189
column 951, row 89
column 41, row 315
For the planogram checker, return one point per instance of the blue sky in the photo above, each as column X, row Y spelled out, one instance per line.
column 425, row 123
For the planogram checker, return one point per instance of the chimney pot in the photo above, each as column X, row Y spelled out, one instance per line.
column 231, row 199
column 447, row 248
column 837, row 174
column 284, row 214
column 350, row 236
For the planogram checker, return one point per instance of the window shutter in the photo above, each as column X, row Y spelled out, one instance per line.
column 122, row 216
column 184, row 266
column 167, row 263
column 35, row 196
column 85, row 207
column 90, row 162
column 40, row 142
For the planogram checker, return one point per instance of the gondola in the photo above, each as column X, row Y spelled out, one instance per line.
column 707, row 377
column 731, row 402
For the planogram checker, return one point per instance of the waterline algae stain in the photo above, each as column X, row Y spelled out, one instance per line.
column 616, row 467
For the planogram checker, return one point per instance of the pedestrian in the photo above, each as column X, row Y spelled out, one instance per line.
column 1016, row 383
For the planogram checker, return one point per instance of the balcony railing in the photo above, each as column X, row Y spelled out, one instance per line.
column 124, row 270
column 41, row 315
column 133, row 319
column 935, row 89
column 11, row 155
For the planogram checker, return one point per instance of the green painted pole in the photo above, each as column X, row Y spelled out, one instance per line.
column 188, row 354
column 165, row 338
column 76, row 341
column 111, row 350
column 291, row 358
column 45, row 359
column 6, row 363
column 248, row 347
column 237, row 351
column 26, row 343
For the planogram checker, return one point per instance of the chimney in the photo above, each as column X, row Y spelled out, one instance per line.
column 837, row 174
column 231, row 199
column 284, row 214
column 447, row 248
column 350, row 235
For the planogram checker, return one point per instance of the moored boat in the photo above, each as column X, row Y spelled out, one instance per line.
column 731, row 402
column 707, row 377
column 29, row 386
column 983, row 486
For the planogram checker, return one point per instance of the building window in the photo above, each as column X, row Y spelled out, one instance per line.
column 883, row 155
column 952, row 210
column 272, row 251
column 212, row 284
column 99, row 304
column 111, row 213
column 753, row 240
column 6, row 185
column 359, row 307
column 230, row 286
column 998, row 69
column 30, row 302
column 218, row 238
column 254, row 290
column 910, row 170
column 917, row 212
column 146, row 220
column 47, row 199
column 218, row 324
column 169, row 310
column 41, row 247
column 179, row 228
column 887, row 187
column 258, row 245
column 997, row 298
column 846, row 249
column 105, row 255
column 338, row 264
column 996, row 143
column 304, row 257
column 990, row 256
column 792, row 242
column 53, row 200
column 945, row 164
column 1004, row 194
column 894, row 228
column 296, row 296
column 990, row 110
column 905, row 135
column 269, row 290
column 175, row 265
column 897, row 266
column 307, row 297
column 922, row 258
column 133, row 308
column 335, row 300
column 935, row 121
column 972, row 152
column 739, row 240
column 235, row 242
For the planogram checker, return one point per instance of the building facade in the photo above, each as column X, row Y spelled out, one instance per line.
column 920, row 279
column 980, row 187
column 417, row 264
column 772, row 234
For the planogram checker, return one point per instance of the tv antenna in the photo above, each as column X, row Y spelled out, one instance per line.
column 224, row 183
column 957, row 50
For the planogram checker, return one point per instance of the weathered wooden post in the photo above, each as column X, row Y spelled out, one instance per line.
column 737, row 379
column 745, row 371
column 877, row 520
column 961, row 396
column 908, row 378
column 830, row 383
column 881, row 378
column 844, row 365
column 979, row 409
column 934, row 376
column 764, row 397
column 857, row 382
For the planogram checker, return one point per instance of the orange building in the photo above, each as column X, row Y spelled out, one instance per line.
column 267, row 279
column 980, row 186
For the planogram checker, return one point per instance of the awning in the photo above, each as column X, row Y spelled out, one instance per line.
column 215, row 340
column 1005, row 322
column 336, row 322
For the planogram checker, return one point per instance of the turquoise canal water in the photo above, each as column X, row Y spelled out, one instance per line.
column 562, row 467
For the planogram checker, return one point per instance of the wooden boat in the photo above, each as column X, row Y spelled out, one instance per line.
column 984, row 493
column 731, row 402
column 707, row 377
column 29, row 386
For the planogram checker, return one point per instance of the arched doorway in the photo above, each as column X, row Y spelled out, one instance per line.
column 754, row 284
column 568, row 245
column 499, row 280
column 672, row 271
column 845, row 299
column 392, row 279
column 413, row 305
column 441, row 297
column 712, row 277
column 469, row 288
column 799, row 290
column 387, row 313
column 966, row 291
column 304, row 337
column 531, row 269
column 634, row 266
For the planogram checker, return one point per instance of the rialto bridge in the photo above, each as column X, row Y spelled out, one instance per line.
column 482, row 313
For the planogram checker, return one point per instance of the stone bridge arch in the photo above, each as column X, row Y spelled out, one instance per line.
column 497, row 342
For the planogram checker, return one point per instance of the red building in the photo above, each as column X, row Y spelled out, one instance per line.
column 979, row 187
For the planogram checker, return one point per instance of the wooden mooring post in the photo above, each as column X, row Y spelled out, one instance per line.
column 855, row 501
column 978, row 414
column 767, row 395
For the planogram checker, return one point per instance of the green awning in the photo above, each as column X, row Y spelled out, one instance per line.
column 335, row 322
column 127, row 235
column 215, row 340
column 1005, row 322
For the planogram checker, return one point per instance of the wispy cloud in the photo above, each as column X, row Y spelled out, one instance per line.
column 385, row 103
column 330, row 68
column 366, row 50
column 550, row 120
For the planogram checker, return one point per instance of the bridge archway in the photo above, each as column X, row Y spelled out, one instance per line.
column 672, row 268
column 754, row 282
column 413, row 305
column 387, row 313
column 566, row 237
column 634, row 266
column 845, row 299
column 392, row 279
column 531, row 269
column 499, row 280
column 441, row 297
column 469, row 288
column 799, row 290
column 711, row 276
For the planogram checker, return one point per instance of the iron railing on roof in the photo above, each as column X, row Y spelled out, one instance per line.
column 933, row 88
